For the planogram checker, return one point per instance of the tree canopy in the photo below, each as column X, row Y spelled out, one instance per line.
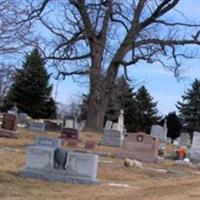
column 31, row 90
column 189, row 108
column 97, row 38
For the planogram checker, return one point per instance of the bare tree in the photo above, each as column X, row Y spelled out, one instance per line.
column 6, row 76
column 14, row 35
column 97, row 37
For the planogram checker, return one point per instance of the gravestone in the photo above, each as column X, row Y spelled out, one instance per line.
column 40, row 158
column 108, row 124
column 70, row 133
column 142, row 147
column 194, row 152
column 9, row 126
column 159, row 132
column 185, row 139
column 57, row 164
column 70, row 122
column 50, row 142
column 113, row 133
column 82, row 164
column 52, row 126
column 37, row 126
column 22, row 118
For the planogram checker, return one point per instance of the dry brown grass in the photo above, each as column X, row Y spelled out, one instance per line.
column 145, row 185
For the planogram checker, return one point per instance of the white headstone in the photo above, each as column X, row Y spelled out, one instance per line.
column 40, row 157
column 194, row 152
column 82, row 164
column 158, row 132
column 196, row 140
column 108, row 124
column 121, row 121
column 69, row 123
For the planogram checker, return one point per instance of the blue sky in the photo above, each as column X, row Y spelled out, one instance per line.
column 161, row 84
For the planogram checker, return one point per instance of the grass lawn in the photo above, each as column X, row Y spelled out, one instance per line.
column 141, row 184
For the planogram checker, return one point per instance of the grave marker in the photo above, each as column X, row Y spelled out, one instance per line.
column 9, row 126
column 57, row 164
column 194, row 152
column 142, row 147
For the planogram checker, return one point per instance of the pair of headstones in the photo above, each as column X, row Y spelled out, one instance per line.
column 48, row 161
column 113, row 133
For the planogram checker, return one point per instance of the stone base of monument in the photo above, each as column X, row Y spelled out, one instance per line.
column 58, row 175
column 8, row 133
column 112, row 138
column 194, row 155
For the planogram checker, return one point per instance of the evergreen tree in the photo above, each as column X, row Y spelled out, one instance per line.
column 189, row 108
column 173, row 126
column 31, row 90
column 146, row 111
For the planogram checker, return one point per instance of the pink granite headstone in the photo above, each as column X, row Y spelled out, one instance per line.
column 142, row 147
column 9, row 126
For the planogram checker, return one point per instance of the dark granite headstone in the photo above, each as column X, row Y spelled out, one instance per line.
column 52, row 126
column 70, row 133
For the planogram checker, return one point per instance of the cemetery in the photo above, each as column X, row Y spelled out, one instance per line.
column 46, row 162
column 99, row 100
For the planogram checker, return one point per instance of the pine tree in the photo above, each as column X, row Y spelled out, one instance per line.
column 146, row 113
column 31, row 90
column 189, row 108
column 173, row 126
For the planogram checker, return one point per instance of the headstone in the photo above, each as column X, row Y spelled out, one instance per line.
column 194, row 152
column 185, row 139
column 56, row 164
column 9, row 122
column 70, row 133
column 108, row 124
column 50, row 142
column 22, row 118
column 113, row 133
column 158, row 132
column 37, row 126
column 142, row 147
column 82, row 164
column 70, row 122
column 40, row 158
column 121, row 121
column 112, row 138
column 9, row 126
column 52, row 126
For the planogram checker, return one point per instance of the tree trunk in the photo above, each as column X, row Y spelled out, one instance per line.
column 97, row 108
